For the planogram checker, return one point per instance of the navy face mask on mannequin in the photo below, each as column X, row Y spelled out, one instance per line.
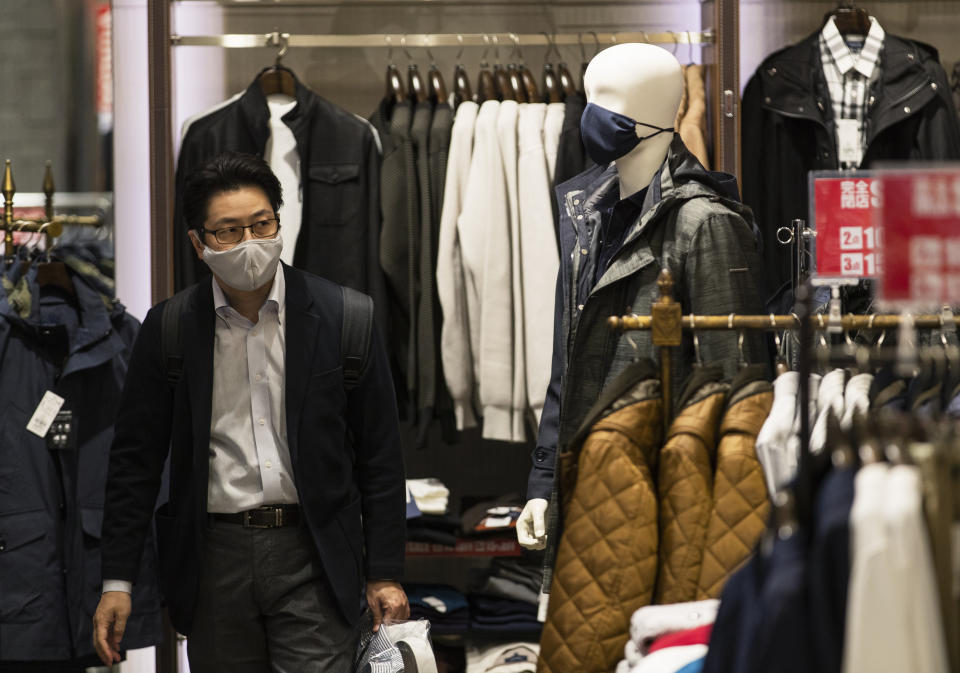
column 609, row 135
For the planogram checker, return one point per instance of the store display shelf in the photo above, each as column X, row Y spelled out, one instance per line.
column 467, row 547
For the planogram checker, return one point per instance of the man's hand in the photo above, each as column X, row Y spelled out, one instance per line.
column 532, row 524
column 109, row 622
column 387, row 602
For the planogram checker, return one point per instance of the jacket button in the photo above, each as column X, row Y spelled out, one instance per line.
column 800, row 108
column 906, row 109
column 933, row 85
column 541, row 455
column 580, row 307
column 772, row 72
column 583, row 251
column 910, row 56
column 767, row 99
column 3, row 544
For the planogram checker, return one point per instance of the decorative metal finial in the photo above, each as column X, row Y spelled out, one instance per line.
column 9, row 188
column 48, row 189
column 665, row 285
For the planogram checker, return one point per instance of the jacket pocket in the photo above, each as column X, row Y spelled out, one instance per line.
column 334, row 193
column 27, row 566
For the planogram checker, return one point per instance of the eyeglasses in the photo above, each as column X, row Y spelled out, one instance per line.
column 231, row 235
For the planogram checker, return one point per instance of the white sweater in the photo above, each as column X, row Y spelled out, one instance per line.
column 552, row 127
column 455, row 351
column 507, row 136
column 484, row 229
column 539, row 259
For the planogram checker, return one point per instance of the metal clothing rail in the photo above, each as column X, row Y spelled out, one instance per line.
column 506, row 40
column 666, row 325
column 50, row 225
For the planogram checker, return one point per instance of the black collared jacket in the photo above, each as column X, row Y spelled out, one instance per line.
column 340, row 186
column 788, row 130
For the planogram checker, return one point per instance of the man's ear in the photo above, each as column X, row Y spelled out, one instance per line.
column 197, row 245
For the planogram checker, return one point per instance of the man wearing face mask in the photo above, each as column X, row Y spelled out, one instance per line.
column 277, row 444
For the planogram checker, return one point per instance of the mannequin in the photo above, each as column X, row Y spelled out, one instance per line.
column 645, row 83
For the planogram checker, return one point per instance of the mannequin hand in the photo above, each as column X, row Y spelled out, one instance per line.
column 532, row 524
column 387, row 601
column 109, row 622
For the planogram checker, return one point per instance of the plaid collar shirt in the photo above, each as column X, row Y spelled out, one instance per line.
column 849, row 74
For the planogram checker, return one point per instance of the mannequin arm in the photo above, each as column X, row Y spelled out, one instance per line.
column 532, row 524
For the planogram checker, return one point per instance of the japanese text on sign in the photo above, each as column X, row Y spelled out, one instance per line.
column 921, row 220
column 847, row 240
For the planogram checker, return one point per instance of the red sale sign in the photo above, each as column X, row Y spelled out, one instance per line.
column 842, row 214
column 920, row 222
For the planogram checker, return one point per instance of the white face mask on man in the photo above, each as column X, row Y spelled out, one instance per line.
column 248, row 265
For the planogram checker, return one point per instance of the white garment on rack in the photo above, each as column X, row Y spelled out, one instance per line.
column 539, row 259
column 552, row 127
column 774, row 436
column 856, row 398
column 503, row 658
column 455, row 351
column 507, row 136
column 829, row 398
column 484, row 228
column 893, row 620
column 652, row 621
column 284, row 159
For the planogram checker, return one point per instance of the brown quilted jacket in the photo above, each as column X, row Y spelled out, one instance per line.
column 740, row 502
column 607, row 556
column 685, row 485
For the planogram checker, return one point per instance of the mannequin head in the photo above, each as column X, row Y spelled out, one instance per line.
column 645, row 83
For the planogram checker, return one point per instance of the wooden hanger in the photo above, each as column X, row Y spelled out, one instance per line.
column 530, row 89
column 395, row 91
column 502, row 81
column 437, row 90
column 278, row 79
column 461, row 83
column 850, row 19
column 415, row 86
column 516, row 83
column 486, row 86
column 567, row 84
column 551, row 84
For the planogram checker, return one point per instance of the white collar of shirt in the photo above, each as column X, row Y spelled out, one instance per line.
column 845, row 60
column 275, row 302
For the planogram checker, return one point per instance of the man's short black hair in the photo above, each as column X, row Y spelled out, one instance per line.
column 227, row 172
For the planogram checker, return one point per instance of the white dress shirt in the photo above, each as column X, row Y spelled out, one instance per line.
column 249, row 457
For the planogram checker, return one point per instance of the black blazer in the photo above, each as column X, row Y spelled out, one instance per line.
column 337, row 481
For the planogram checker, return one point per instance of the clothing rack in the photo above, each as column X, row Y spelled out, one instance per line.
column 718, row 38
column 666, row 323
column 517, row 41
column 50, row 225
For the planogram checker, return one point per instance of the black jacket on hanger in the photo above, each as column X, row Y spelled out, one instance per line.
column 52, row 492
column 788, row 130
column 340, row 185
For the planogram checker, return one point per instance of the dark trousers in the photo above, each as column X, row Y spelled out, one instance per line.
column 265, row 606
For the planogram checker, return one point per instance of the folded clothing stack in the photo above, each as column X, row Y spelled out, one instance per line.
column 517, row 579
column 430, row 495
column 446, row 608
column 498, row 515
column 517, row 657
column 436, row 528
column 669, row 638
column 495, row 615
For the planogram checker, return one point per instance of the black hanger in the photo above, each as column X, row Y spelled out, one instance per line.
column 502, row 82
column 278, row 78
column 461, row 83
column 850, row 19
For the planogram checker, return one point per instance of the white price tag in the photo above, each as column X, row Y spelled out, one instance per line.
column 46, row 412
column 849, row 150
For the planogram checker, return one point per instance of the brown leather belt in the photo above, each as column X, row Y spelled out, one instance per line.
column 268, row 516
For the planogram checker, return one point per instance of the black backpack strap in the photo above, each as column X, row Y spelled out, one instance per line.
column 171, row 343
column 355, row 336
